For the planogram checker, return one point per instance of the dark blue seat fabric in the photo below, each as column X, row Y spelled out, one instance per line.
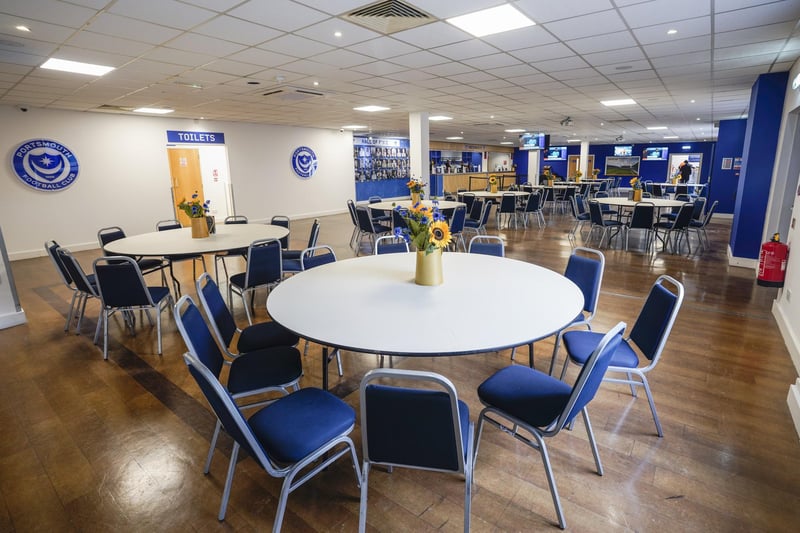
column 267, row 367
column 313, row 235
column 307, row 419
column 291, row 264
column 264, row 269
column 580, row 344
column 526, row 394
column 263, row 335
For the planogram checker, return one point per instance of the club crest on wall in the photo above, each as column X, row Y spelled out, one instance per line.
column 304, row 162
column 45, row 164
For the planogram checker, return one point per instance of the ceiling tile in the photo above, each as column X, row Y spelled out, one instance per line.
column 761, row 15
column 136, row 30
column 166, row 12
column 419, row 59
column 604, row 22
column 542, row 12
column 237, row 30
column 543, row 53
column 432, row 35
column 52, row 11
column 280, row 14
column 342, row 58
column 459, row 51
column 296, row 46
column 700, row 26
column 659, row 13
column 383, row 48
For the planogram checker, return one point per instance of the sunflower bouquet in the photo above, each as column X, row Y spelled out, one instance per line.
column 194, row 208
column 492, row 180
column 636, row 184
column 416, row 185
column 427, row 227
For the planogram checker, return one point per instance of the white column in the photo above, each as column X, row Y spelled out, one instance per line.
column 419, row 148
column 583, row 164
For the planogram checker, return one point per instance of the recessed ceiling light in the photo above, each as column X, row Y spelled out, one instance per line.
column 455, row 138
column 22, row 28
column 440, row 117
column 516, row 130
column 506, row 142
column 686, row 147
column 622, row 101
column 153, row 110
column 691, row 101
column 337, row 34
column 656, row 127
column 672, row 31
column 490, row 21
column 76, row 67
column 354, row 127
column 670, row 136
column 573, row 140
column 371, row 108
column 698, row 118
column 316, row 84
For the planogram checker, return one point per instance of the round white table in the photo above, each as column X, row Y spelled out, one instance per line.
column 622, row 201
column 371, row 304
column 495, row 195
column 389, row 205
column 180, row 241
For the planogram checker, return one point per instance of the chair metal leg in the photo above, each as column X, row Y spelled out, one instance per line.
column 652, row 403
column 207, row 466
column 551, row 480
column 226, row 492
column 592, row 443
column 362, row 512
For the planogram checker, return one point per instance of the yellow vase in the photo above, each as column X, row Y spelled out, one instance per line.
column 199, row 228
column 415, row 197
column 493, row 187
column 429, row 268
column 637, row 195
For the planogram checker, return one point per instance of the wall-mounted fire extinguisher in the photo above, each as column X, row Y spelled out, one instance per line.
column 772, row 263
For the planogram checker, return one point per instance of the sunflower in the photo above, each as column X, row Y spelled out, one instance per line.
column 440, row 234
column 492, row 180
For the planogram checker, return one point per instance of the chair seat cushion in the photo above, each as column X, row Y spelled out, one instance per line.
column 158, row 293
column 581, row 344
column 526, row 394
column 237, row 280
column 300, row 423
column 149, row 264
column 381, row 228
column 291, row 265
column 265, row 335
column 266, row 368
column 291, row 254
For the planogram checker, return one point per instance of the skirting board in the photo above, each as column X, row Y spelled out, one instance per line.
column 794, row 405
column 12, row 319
column 741, row 261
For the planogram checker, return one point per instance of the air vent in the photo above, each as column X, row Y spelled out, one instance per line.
column 389, row 16
column 114, row 108
column 293, row 94
column 487, row 124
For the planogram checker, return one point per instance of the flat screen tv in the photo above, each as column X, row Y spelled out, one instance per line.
column 623, row 151
column 655, row 153
column 555, row 152
column 533, row 141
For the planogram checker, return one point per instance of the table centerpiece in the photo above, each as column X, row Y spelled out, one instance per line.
column 197, row 212
column 428, row 231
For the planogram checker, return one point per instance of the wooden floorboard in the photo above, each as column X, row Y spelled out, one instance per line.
column 118, row 445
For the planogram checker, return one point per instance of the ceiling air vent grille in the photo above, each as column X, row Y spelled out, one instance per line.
column 293, row 94
column 389, row 16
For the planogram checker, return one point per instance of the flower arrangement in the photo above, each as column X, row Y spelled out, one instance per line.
column 427, row 227
column 492, row 180
column 636, row 184
column 416, row 185
column 578, row 174
column 595, row 172
column 194, row 209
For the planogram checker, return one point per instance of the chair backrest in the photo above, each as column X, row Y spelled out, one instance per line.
column 487, row 211
column 313, row 235
column 309, row 258
column 596, row 213
column 364, row 220
column 227, row 412
column 585, row 269
column 603, row 186
column 699, row 205
column 508, row 203
column 52, row 247
column 397, row 219
column 422, row 428
column 375, row 199
column 264, row 263
column 681, row 189
column 578, row 205
column 196, row 335
column 534, row 202
column 710, row 212
column 655, row 320
column 476, row 211
column 590, row 377
column 487, row 245
column 657, row 190
column 684, row 216
column 458, row 219
column 75, row 271
column 390, row 244
column 642, row 217
column 235, row 219
column 120, row 282
column 468, row 198
column 166, row 225
column 351, row 208
column 109, row 234
column 219, row 316
column 283, row 221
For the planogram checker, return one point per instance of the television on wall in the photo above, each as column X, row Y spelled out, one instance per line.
column 533, row 141
column 623, row 151
column 655, row 153
column 555, row 153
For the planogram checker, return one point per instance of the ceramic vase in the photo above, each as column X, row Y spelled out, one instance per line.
column 429, row 268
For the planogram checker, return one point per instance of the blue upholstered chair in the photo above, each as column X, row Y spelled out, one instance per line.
column 313, row 235
column 487, row 245
column 675, row 230
column 580, row 213
column 641, row 219
column 533, row 206
column 84, row 287
column 602, row 224
column 518, row 398
column 457, row 222
column 122, row 288
column 76, row 302
column 645, row 342
column 284, row 222
column 147, row 265
column 699, row 226
column 479, row 226
column 253, row 337
column 304, row 432
column 368, row 228
column 390, row 244
column 264, row 262
column 507, row 209
column 251, row 375
column 223, row 255
column 405, row 425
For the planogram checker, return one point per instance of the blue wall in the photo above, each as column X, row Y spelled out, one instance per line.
column 758, row 159
column 725, row 183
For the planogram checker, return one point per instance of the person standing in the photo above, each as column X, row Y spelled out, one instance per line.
column 685, row 170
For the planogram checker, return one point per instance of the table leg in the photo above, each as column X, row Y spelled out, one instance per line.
column 324, row 368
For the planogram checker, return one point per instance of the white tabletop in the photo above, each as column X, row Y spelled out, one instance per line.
column 180, row 241
column 371, row 304
column 498, row 194
column 622, row 201
column 389, row 205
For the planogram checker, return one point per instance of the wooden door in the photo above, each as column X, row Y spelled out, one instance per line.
column 574, row 162
column 184, row 167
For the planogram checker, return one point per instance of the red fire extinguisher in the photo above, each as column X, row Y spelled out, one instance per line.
column 772, row 263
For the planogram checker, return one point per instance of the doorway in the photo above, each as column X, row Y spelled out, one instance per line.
column 574, row 162
column 695, row 160
column 202, row 170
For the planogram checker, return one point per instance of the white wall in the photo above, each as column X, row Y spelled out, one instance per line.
column 785, row 183
column 124, row 175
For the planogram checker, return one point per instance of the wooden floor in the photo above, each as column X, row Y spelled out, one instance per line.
column 118, row 445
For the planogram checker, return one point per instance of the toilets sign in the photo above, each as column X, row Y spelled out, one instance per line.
column 45, row 164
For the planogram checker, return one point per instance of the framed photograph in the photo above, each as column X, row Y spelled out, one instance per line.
column 737, row 163
column 622, row 166
column 727, row 163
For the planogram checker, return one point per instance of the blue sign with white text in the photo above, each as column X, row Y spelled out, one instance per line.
column 195, row 137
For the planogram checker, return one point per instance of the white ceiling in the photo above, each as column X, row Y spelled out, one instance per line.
column 203, row 58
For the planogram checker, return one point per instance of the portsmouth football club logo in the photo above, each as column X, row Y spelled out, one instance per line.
column 45, row 164
column 304, row 162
